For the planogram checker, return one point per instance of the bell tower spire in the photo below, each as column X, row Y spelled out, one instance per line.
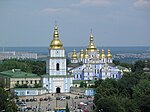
column 56, row 42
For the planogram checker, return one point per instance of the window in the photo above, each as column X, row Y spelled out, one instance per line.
column 57, row 66
column 77, row 76
column 17, row 82
column 35, row 81
column 98, row 71
column 31, row 81
column 27, row 92
column 22, row 82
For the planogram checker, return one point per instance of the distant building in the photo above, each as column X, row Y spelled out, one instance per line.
column 146, row 69
column 29, row 91
column 17, row 55
column 11, row 78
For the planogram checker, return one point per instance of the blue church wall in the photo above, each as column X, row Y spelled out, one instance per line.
column 89, row 92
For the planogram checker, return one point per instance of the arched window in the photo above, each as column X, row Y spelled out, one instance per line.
column 57, row 66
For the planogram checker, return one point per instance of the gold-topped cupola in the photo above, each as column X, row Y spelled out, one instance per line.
column 103, row 53
column 86, row 54
column 81, row 54
column 91, row 47
column 56, row 43
column 98, row 54
column 109, row 54
column 74, row 54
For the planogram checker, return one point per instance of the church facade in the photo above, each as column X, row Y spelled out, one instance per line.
column 87, row 65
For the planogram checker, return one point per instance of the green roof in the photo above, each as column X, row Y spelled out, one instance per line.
column 18, row 74
column 121, row 67
column 28, row 88
column 53, row 76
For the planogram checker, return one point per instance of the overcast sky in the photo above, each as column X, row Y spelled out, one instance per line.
column 113, row 22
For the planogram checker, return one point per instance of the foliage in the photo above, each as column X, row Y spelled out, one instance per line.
column 83, row 84
column 7, row 103
column 131, row 93
column 127, row 65
column 37, row 67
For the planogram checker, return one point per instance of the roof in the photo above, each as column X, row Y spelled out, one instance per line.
column 16, row 73
column 74, row 65
column 121, row 67
column 53, row 76
column 29, row 89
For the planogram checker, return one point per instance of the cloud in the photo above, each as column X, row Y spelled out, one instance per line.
column 142, row 3
column 92, row 2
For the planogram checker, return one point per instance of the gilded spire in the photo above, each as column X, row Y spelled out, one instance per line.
column 103, row 53
column 74, row 54
column 81, row 54
column 56, row 43
column 86, row 54
column 109, row 54
column 91, row 46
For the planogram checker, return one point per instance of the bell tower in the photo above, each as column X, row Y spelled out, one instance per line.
column 56, row 64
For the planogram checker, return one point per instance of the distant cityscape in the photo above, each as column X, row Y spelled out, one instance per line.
column 36, row 55
column 20, row 55
column 132, row 55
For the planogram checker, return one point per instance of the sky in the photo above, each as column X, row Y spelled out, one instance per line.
column 30, row 23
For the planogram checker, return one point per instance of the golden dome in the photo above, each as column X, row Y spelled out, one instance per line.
column 109, row 54
column 86, row 54
column 103, row 53
column 98, row 54
column 74, row 54
column 56, row 43
column 91, row 47
column 81, row 54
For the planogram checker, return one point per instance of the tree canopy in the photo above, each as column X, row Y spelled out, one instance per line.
column 131, row 93
column 7, row 103
column 31, row 66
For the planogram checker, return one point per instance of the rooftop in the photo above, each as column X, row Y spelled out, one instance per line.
column 54, row 76
column 17, row 73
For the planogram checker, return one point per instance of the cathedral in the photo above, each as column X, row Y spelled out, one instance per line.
column 87, row 65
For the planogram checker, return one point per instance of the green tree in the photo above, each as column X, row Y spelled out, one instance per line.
column 37, row 67
column 7, row 103
column 141, row 93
